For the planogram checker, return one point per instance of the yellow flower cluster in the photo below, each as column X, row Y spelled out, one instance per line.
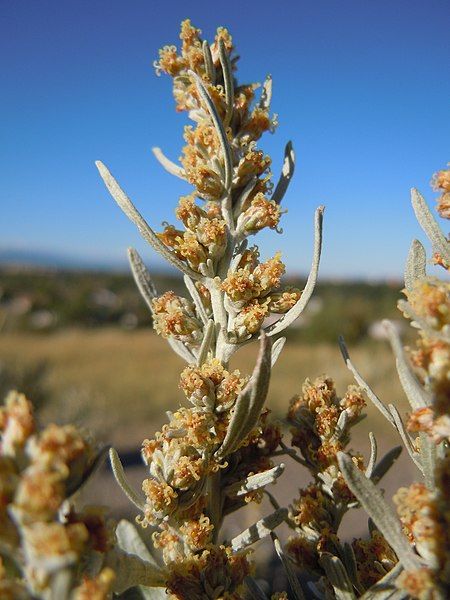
column 441, row 182
column 39, row 471
column 176, row 317
column 217, row 572
column 430, row 301
column 251, row 293
column 320, row 429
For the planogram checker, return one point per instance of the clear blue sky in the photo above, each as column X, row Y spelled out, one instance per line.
column 361, row 87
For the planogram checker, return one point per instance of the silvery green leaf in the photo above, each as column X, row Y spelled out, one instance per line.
column 386, row 463
column 259, row 530
column 228, row 81
column 121, row 479
column 428, row 223
column 351, row 566
column 135, row 217
column 193, row 291
column 428, row 459
column 130, row 541
column 266, row 94
column 277, row 347
column 379, row 510
column 249, row 402
column 180, row 349
column 415, row 264
column 208, row 337
column 209, row 64
column 373, row 455
column 337, row 576
column 254, row 589
column 341, row 427
column 405, row 437
column 417, row 396
column 142, row 277
column 226, row 150
column 130, row 571
column 300, row 306
column 255, row 482
column 365, row 386
column 237, row 209
column 150, row 593
column 294, row 583
column 168, row 165
column 287, row 173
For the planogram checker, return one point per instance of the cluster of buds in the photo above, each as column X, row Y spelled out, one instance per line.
column 441, row 182
column 252, row 294
column 426, row 521
column 429, row 305
column 321, row 423
column 42, row 537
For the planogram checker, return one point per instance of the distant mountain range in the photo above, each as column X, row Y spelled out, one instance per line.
column 16, row 257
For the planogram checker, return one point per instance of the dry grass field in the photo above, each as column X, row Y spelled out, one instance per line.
column 119, row 383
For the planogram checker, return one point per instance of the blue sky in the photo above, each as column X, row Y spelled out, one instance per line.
column 361, row 87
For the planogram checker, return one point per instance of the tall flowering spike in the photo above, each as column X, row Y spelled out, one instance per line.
column 191, row 483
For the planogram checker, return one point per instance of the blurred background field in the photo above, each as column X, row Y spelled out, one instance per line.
column 81, row 345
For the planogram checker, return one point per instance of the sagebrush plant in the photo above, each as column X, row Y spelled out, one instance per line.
column 220, row 450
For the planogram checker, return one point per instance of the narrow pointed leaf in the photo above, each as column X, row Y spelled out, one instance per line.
column 249, row 402
column 417, row 396
column 259, row 530
column 142, row 277
column 373, row 455
column 287, row 173
column 228, row 81
column 379, row 510
column 429, row 225
column 205, row 347
column 405, row 436
column 193, row 291
column 277, row 347
column 121, row 479
column 337, row 576
column 255, row 482
column 209, row 64
column 428, row 459
column 300, row 306
column 135, row 217
column 168, row 165
column 365, row 386
column 294, row 583
column 415, row 264
column 130, row 571
column 226, row 150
